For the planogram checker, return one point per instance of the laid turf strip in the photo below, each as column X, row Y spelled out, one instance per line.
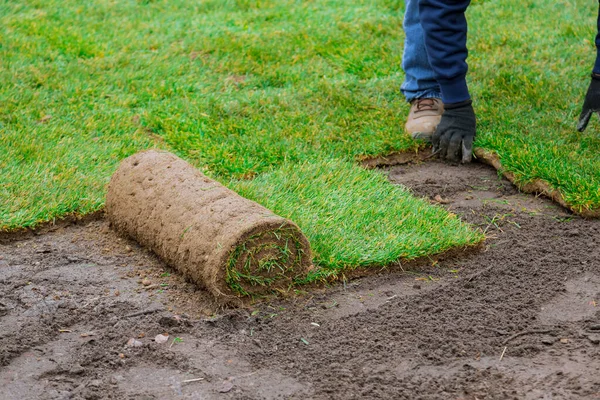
column 353, row 217
column 228, row 244
column 529, row 74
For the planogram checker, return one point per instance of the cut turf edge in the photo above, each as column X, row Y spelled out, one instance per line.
column 422, row 154
column 12, row 234
column 536, row 186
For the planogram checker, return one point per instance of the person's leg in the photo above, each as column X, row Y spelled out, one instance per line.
column 419, row 79
column 420, row 87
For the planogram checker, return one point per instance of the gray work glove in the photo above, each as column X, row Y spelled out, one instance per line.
column 591, row 104
column 453, row 137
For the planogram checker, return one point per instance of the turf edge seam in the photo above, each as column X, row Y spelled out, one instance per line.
column 537, row 186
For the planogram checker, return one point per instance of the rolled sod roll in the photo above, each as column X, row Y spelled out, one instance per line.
column 230, row 245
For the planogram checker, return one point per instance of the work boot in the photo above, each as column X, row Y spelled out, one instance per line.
column 424, row 117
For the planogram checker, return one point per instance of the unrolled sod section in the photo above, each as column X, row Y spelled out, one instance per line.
column 220, row 240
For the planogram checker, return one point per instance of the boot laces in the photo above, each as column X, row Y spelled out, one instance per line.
column 425, row 105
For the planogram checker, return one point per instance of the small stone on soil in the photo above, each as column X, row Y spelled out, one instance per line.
column 77, row 369
column 441, row 200
column 226, row 386
column 161, row 338
column 134, row 343
column 146, row 282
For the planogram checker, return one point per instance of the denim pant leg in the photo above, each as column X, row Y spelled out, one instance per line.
column 419, row 79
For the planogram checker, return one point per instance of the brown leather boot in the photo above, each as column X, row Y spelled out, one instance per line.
column 424, row 117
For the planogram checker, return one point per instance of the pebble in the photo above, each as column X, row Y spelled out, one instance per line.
column 161, row 338
column 226, row 386
column 548, row 341
column 134, row 343
column 77, row 369
column 146, row 282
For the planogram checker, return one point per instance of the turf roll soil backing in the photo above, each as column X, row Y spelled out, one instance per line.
column 230, row 245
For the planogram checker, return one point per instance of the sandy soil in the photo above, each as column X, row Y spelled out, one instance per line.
column 518, row 319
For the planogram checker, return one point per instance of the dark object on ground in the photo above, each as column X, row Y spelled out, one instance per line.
column 591, row 104
column 222, row 241
column 454, row 136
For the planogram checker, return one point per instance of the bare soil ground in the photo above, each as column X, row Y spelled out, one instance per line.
column 518, row 319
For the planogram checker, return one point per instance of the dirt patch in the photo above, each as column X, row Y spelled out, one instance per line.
column 228, row 244
column 518, row 319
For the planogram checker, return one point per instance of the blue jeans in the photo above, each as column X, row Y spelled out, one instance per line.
column 419, row 81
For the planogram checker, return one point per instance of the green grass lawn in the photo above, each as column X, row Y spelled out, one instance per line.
column 278, row 98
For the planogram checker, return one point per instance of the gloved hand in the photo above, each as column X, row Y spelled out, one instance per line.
column 453, row 137
column 591, row 103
